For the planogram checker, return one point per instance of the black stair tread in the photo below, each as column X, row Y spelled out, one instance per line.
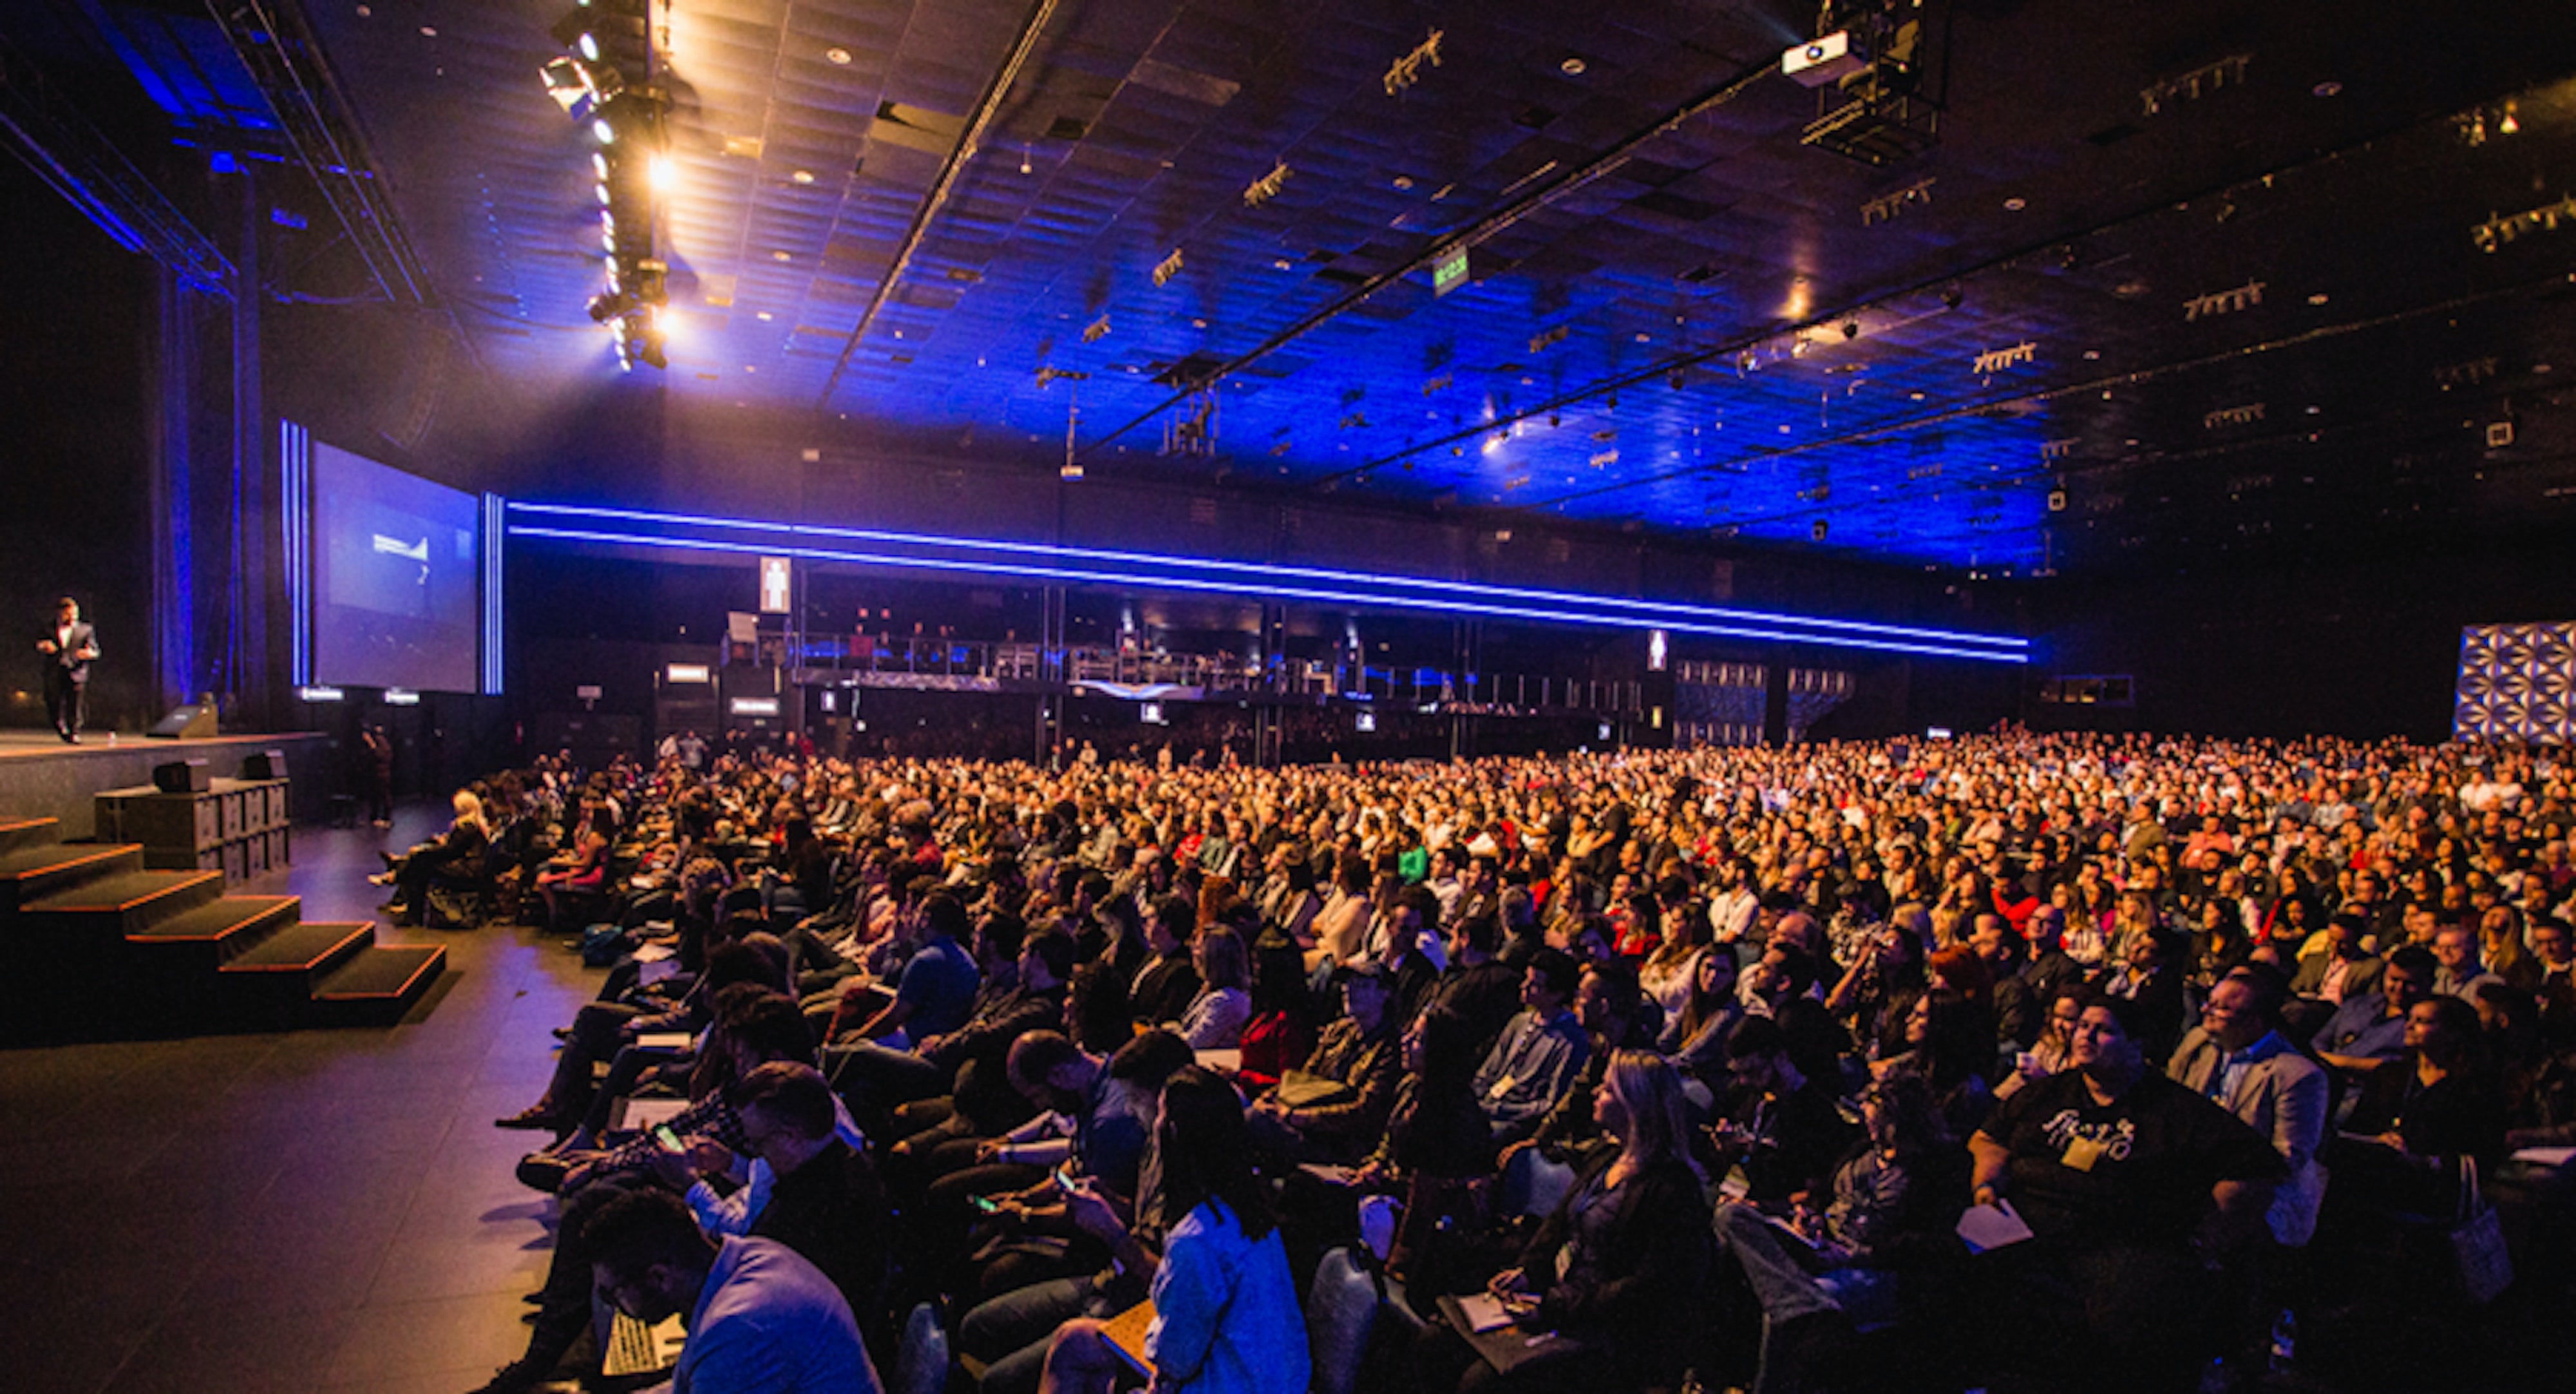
column 30, row 863
column 9, row 826
column 299, row 947
column 385, row 971
column 213, row 921
column 122, row 891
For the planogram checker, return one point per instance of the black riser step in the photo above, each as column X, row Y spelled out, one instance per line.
column 379, row 985
column 18, row 834
column 218, row 931
column 30, row 874
column 272, row 983
column 127, row 902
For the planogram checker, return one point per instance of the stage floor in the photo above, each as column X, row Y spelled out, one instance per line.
column 288, row 1213
column 43, row 777
column 19, row 744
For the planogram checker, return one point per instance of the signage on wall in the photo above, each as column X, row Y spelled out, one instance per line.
column 687, row 672
column 754, row 706
column 1657, row 649
column 776, row 575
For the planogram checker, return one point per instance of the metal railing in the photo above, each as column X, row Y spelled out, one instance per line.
column 1137, row 668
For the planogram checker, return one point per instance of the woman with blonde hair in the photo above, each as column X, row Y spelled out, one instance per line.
column 453, row 858
column 1618, row 1271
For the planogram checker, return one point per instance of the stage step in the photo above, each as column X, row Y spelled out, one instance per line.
column 29, row 873
column 227, row 926
column 17, row 834
column 273, row 982
column 134, row 899
column 95, row 946
column 310, row 947
column 380, row 984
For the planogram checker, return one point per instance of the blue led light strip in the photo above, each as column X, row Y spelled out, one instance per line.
column 1338, row 597
column 1383, row 588
column 295, row 473
column 495, row 522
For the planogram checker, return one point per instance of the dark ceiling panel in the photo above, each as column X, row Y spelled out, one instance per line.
column 2222, row 298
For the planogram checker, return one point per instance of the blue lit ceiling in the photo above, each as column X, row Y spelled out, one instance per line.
column 1655, row 332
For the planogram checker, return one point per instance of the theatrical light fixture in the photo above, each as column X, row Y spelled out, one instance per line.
column 660, row 173
column 588, row 47
column 565, row 83
column 607, row 133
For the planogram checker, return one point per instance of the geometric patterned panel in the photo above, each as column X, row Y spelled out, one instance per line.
column 2517, row 683
column 1719, row 703
column 1814, row 692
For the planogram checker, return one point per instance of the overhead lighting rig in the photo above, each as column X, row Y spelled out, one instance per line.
column 1882, row 74
column 604, row 80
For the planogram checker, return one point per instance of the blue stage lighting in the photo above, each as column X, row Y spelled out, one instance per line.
column 1075, row 565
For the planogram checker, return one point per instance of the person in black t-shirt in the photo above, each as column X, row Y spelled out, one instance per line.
column 2117, row 1170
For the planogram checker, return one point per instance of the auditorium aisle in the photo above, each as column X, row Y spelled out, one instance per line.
column 322, row 1210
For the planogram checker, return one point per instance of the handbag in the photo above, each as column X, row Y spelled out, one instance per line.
column 1298, row 1089
column 2478, row 1253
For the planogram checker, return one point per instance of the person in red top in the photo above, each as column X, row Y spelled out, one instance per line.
column 2015, row 903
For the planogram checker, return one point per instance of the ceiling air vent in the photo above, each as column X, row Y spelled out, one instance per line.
column 1066, row 128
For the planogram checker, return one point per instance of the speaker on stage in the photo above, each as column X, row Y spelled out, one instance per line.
column 181, row 777
column 264, row 764
column 193, row 722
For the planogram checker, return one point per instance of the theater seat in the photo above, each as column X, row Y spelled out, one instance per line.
column 1341, row 1314
column 921, row 1360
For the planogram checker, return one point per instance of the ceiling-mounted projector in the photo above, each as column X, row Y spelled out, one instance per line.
column 1829, row 59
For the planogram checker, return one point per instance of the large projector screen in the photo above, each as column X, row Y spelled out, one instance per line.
column 396, row 570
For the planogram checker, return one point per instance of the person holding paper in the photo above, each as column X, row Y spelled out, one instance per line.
column 1608, row 1290
column 2117, row 1170
column 1806, row 1277
column 1226, row 1319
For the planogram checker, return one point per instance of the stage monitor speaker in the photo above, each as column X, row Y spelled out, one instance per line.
column 264, row 764
column 193, row 722
column 181, row 777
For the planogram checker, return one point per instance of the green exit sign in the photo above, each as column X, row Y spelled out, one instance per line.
column 1449, row 272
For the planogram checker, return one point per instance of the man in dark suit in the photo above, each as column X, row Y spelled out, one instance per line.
column 69, row 648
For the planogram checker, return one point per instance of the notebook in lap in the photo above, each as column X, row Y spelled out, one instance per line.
column 631, row 1115
column 637, row 1349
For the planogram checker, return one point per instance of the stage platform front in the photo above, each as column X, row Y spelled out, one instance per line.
column 41, row 777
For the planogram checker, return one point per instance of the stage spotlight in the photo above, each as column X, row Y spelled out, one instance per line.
column 599, row 166
column 588, row 47
column 661, row 173
column 565, row 83
column 1851, row 329
column 607, row 133
column 602, row 191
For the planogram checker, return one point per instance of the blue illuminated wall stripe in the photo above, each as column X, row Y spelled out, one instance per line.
column 1646, row 612
column 295, row 505
column 1573, row 614
column 495, row 523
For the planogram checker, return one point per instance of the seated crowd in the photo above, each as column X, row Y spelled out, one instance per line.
column 2016, row 1061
